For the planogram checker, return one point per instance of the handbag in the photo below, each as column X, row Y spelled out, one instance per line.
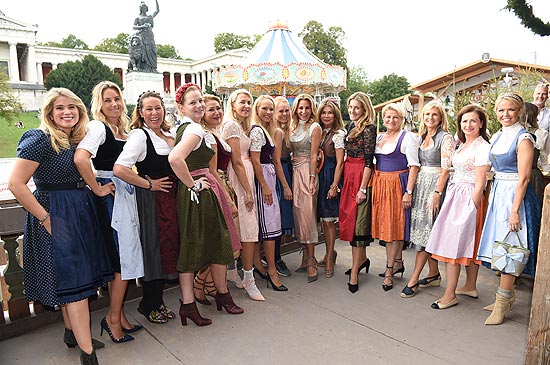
column 509, row 259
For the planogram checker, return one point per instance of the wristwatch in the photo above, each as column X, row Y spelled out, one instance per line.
column 410, row 192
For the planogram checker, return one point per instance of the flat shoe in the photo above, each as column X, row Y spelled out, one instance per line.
column 472, row 293
column 437, row 304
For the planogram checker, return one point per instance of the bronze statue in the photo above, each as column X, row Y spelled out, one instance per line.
column 142, row 49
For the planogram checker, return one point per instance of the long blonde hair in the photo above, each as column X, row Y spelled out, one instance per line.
column 230, row 114
column 294, row 112
column 286, row 130
column 270, row 130
column 422, row 129
column 59, row 139
column 366, row 119
column 97, row 105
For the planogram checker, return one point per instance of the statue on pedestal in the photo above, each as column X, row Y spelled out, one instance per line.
column 142, row 49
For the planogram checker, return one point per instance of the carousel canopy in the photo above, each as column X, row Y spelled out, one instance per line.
column 280, row 64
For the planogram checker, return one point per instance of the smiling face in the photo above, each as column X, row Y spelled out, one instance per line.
column 507, row 113
column 540, row 95
column 392, row 120
column 355, row 110
column 303, row 111
column 282, row 113
column 471, row 125
column 265, row 111
column 111, row 105
column 327, row 117
column 192, row 105
column 152, row 112
column 432, row 119
column 213, row 114
column 242, row 106
column 65, row 114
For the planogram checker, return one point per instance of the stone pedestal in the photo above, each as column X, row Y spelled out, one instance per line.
column 139, row 82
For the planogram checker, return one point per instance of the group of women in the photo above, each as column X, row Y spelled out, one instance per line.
column 166, row 203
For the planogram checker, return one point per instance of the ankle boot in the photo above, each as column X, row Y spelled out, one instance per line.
column 512, row 300
column 502, row 306
column 70, row 340
column 233, row 276
column 190, row 311
column 88, row 359
column 226, row 301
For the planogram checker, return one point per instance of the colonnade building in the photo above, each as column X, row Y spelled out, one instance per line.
column 27, row 64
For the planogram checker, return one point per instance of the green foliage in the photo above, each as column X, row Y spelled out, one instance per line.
column 119, row 44
column 525, row 13
column 81, row 77
column 357, row 81
column 71, row 41
column 326, row 45
column 387, row 88
column 10, row 134
column 168, row 51
column 228, row 41
column 10, row 106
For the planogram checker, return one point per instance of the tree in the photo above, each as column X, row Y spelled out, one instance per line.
column 228, row 41
column 81, row 77
column 168, row 51
column 388, row 87
column 525, row 13
column 71, row 41
column 119, row 44
column 10, row 106
column 357, row 81
column 326, row 45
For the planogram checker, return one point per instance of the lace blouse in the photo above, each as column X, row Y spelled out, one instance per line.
column 468, row 157
column 363, row 146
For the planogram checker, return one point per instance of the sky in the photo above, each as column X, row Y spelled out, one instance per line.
column 417, row 39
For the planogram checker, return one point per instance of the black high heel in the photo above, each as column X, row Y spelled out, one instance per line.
column 387, row 287
column 353, row 288
column 70, row 341
column 105, row 326
column 282, row 287
column 365, row 265
column 263, row 276
column 135, row 328
column 401, row 270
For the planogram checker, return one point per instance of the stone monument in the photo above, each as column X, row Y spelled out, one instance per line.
column 142, row 65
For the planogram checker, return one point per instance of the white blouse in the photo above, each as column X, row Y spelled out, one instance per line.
column 95, row 137
column 135, row 149
column 409, row 147
column 197, row 130
column 508, row 134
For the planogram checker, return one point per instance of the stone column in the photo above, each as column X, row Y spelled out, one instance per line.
column 204, row 80
column 39, row 73
column 14, row 65
column 32, row 75
column 172, row 85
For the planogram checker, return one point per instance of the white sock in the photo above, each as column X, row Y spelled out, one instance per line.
column 248, row 274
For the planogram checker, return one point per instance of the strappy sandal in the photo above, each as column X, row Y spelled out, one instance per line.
column 390, row 278
column 323, row 263
column 311, row 262
column 210, row 288
column 198, row 291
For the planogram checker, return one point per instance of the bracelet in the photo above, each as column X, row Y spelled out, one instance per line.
column 41, row 221
column 231, row 204
column 438, row 192
column 150, row 183
column 364, row 191
column 197, row 186
column 335, row 187
column 311, row 175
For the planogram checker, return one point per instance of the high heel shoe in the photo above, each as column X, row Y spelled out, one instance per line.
column 323, row 263
column 135, row 328
column 198, row 288
column 226, row 302
column 409, row 291
column 233, row 276
column 365, row 265
column 70, row 340
column 263, row 276
column 105, row 326
column 281, row 287
column 88, row 359
column 387, row 287
column 312, row 262
column 401, row 270
column 353, row 288
column 430, row 281
column 190, row 311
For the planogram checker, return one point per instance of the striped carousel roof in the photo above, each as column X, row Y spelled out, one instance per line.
column 280, row 45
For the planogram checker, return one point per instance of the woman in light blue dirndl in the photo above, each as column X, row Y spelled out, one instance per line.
column 513, row 205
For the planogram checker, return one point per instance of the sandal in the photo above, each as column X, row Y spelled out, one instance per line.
column 430, row 281
column 198, row 291
column 322, row 263
column 309, row 260
column 210, row 288
column 387, row 287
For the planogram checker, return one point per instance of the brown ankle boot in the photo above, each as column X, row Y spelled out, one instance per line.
column 502, row 306
column 226, row 301
column 190, row 311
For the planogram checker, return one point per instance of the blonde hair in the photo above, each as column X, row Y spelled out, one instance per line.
column 396, row 108
column 59, row 139
column 512, row 97
column 443, row 123
column 366, row 119
column 286, row 130
column 294, row 113
column 137, row 119
column 97, row 105
column 333, row 105
column 270, row 130
column 230, row 113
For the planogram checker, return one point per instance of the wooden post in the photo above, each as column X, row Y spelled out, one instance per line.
column 537, row 350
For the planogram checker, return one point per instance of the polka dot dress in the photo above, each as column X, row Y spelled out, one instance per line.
column 70, row 264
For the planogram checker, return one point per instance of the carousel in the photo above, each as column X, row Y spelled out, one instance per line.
column 280, row 64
